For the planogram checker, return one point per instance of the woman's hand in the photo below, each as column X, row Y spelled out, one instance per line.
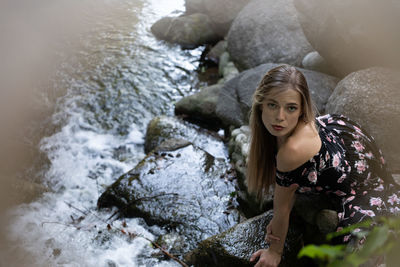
column 269, row 237
column 268, row 258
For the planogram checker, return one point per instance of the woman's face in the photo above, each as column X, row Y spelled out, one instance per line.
column 281, row 111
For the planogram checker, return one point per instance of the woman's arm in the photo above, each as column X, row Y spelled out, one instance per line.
column 283, row 202
column 284, row 198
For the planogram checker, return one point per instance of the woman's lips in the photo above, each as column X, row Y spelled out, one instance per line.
column 277, row 128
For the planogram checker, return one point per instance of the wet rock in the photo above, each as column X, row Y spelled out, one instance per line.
column 314, row 61
column 352, row 35
column 235, row 97
column 172, row 144
column 163, row 128
column 267, row 31
column 184, row 190
column 188, row 31
column 235, row 246
column 371, row 98
column 200, row 107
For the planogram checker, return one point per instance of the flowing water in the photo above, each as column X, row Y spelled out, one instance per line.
column 117, row 79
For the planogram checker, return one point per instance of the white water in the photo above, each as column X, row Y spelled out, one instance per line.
column 89, row 151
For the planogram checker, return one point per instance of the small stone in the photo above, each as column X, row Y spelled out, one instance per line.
column 327, row 221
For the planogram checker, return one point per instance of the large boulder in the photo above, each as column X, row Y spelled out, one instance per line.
column 352, row 35
column 194, row 6
column 200, row 107
column 189, row 31
column 221, row 12
column 235, row 98
column 371, row 97
column 187, row 191
column 235, row 246
column 267, row 31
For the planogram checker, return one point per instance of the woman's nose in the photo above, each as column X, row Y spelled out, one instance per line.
column 281, row 115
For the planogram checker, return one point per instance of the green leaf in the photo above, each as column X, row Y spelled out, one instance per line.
column 324, row 252
column 393, row 256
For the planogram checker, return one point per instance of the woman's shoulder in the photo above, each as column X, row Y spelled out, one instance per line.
column 298, row 149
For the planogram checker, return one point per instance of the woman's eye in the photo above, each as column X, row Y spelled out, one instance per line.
column 271, row 105
column 292, row 109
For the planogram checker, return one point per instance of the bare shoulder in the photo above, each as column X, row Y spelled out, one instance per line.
column 298, row 149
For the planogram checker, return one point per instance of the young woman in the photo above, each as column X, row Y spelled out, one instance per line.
column 297, row 153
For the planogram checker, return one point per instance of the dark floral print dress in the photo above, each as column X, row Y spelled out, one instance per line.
column 351, row 169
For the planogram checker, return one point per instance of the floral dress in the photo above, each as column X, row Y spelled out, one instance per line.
column 351, row 169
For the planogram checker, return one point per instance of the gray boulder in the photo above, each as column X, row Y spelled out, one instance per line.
column 200, row 107
column 352, row 35
column 235, row 246
column 163, row 128
column 194, row 6
column 188, row 31
column 267, row 31
column 185, row 190
column 221, row 12
column 371, row 97
column 235, row 98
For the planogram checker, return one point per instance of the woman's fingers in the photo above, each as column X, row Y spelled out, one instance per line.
column 255, row 255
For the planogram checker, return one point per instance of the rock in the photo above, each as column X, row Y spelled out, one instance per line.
column 185, row 190
column 352, row 35
column 172, row 144
column 313, row 211
column 235, row 246
column 222, row 13
column 216, row 51
column 194, row 6
column 189, row 31
column 267, row 31
column 314, row 61
column 200, row 107
column 327, row 221
column 235, row 97
column 238, row 151
column 371, row 98
column 223, row 62
column 163, row 128
column 228, row 72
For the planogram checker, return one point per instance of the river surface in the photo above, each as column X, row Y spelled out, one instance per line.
column 118, row 78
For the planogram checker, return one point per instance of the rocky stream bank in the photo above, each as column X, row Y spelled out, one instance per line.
column 191, row 184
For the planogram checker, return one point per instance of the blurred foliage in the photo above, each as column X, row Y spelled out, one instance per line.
column 379, row 238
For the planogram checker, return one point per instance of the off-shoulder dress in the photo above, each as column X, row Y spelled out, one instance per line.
column 351, row 169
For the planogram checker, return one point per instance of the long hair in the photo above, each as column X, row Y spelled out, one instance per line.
column 261, row 166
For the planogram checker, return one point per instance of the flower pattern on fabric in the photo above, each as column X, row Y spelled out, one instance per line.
column 350, row 168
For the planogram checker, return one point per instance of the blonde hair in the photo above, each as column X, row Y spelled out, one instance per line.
column 261, row 165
